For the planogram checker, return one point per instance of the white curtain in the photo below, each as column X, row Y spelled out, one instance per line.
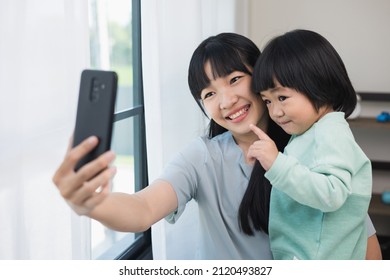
column 43, row 48
column 171, row 30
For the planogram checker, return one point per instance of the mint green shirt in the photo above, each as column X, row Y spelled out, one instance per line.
column 322, row 186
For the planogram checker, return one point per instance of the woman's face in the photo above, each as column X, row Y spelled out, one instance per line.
column 230, row 102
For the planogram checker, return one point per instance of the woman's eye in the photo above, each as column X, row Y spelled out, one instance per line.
column 207, row 95
column 235, row 79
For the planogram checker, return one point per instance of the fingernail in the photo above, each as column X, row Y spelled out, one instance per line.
column 110, row 155
column 92, row 139
column 113, row 170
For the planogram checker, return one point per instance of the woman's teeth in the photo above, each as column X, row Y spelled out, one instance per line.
column 239, row 113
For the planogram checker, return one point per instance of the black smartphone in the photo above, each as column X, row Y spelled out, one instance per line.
column 95, row 111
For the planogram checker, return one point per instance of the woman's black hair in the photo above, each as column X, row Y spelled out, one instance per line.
column 226, row 53
column 254, row 207
column 305, row 61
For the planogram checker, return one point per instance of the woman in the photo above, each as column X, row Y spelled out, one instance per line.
column 232, row 193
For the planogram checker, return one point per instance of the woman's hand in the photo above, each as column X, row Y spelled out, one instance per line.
column 89, row 186
column 264, row 150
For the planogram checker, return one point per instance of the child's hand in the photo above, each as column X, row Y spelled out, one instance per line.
column 264, row 150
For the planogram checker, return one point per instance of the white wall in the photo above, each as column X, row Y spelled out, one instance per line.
column 358, row 29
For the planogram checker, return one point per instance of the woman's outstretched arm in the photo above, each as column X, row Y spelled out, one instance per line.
column 87, row 192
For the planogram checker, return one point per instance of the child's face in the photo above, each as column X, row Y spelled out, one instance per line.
column 291, row 110
column 231, row 103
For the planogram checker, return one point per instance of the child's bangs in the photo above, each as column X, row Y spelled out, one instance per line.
column 275, row 66
column 263, row 77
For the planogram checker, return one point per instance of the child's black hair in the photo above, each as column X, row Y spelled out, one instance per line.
column 305, row 61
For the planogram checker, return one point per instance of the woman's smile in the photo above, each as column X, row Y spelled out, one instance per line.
column 239, row 114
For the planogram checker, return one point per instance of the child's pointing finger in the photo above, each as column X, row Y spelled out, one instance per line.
column 261, row 134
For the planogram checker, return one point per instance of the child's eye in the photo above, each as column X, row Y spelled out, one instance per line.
column 266, row 101
column 282, row 98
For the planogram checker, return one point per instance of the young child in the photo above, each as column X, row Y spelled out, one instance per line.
column 322, row 182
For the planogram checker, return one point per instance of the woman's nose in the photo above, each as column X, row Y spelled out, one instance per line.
column 228, row 99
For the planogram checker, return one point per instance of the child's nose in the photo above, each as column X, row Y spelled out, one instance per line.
column 276, row 111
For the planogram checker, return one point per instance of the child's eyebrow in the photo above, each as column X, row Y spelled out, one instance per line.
column 263, row 95
column 272, row 90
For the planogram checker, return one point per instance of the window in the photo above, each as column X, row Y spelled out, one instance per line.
column 115, row 44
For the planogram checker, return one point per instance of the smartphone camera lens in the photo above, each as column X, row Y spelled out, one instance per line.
column 95, row 90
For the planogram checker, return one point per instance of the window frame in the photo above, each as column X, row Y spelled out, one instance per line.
column 141, row 248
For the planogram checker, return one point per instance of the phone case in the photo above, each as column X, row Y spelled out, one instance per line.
column 95, row 111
